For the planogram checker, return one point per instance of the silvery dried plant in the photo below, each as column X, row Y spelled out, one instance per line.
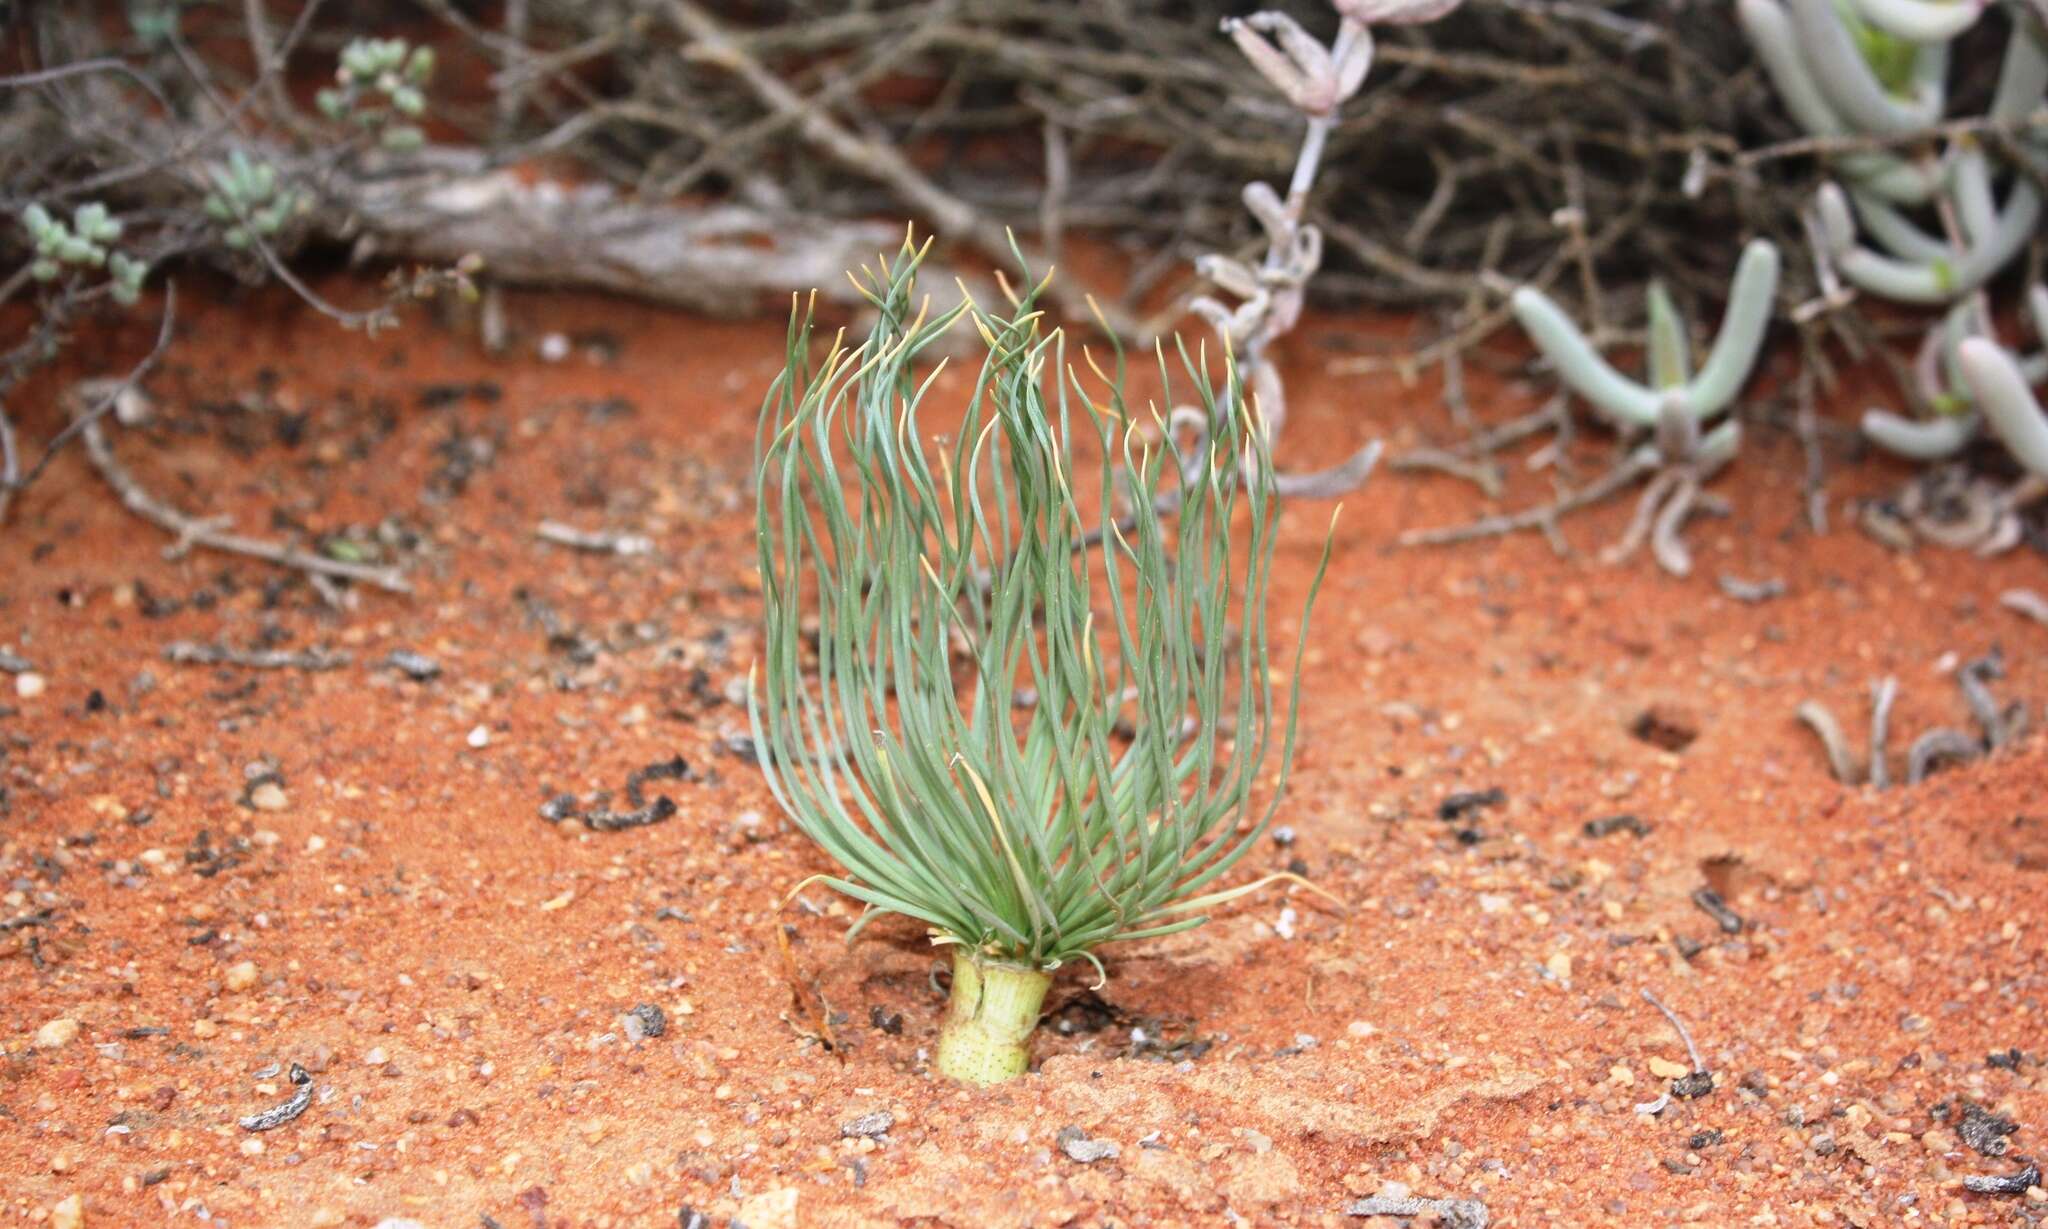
column 1317, row 78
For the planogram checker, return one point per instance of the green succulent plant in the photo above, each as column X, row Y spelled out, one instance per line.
column 1921, row 225
column 156, row 21
column 86, row 242
column 247, row 201
column 1700, row 394
column 1032, row 748
column 380, row 85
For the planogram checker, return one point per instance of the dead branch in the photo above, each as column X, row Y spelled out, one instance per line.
column 442, row 204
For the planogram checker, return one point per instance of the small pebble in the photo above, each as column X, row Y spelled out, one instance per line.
column 416, row 666
column 57, row 1034
column 644, row 1021
column 771, row 1210
column 2025, row 1182
column 554, row 347
column 242, row 976
column 1665, row 1069
column 867, row 1126
column 68, row 1214
column 30, row 685
column 1076, row 1144
column 480, row 737
column 268, row 796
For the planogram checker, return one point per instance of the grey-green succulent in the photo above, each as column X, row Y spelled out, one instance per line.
column 1881, row 68
column 86, row 242
column 1672, row 382
column 380, row 86
column 247, row 200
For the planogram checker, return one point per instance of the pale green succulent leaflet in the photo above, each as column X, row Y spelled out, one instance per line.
column 1921, row 21
column 2009, row 406
column 946, row 580
column 1631, row 403
column 2022, row 75
column 1776, row 42
column 1837, row 43
column 1670, row 358
column 1917, row 276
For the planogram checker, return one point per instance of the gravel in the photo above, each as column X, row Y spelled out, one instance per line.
column 1075, row 1143
column 2004, row 1184
column 1451, row 1213
column 1986, row 1131
column 643, row 1021
column 868, row 1125
column 415, row 666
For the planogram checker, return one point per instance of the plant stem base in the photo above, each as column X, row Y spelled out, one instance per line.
column 986, row 1037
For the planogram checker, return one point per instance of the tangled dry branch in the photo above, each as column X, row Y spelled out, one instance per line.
column 1516, row 141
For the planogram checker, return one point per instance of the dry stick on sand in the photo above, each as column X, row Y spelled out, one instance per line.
column 1624, row 473
column 209, row 535
column 90, row 400
column 192, row 653
column 1882, row 696
column 1450, row 1213
column 601, row 542
column 1691, row 1051
column 1841, row 760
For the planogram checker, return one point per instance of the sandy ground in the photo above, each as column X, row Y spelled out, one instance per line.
column 214, row 872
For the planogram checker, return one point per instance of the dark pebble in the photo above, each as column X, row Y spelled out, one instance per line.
column 416, row 666
column 1612, row 824
column 1463, row 803
column 651, row 1021
column 2004, row 1184
column 1985, row 1131
column 1713, row 906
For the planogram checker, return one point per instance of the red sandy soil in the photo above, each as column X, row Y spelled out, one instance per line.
column 453, row 970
